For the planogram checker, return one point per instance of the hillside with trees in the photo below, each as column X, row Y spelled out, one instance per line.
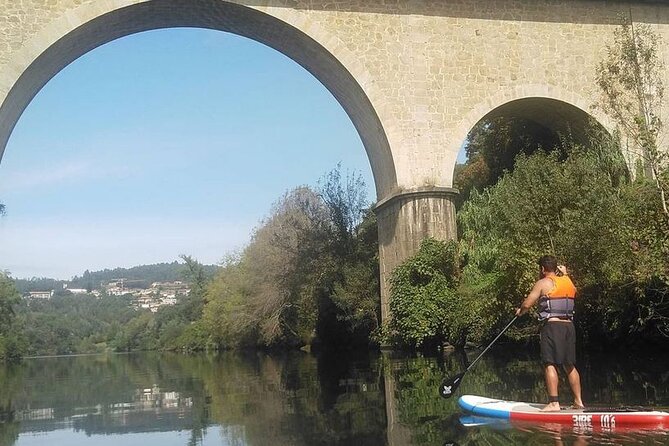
column 141, row 275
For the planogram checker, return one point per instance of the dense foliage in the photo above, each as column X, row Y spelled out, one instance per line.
column 606, row 227
column 309, row 275
column 71, row 324
column 427, row 302
column 613, row 239
column 10, row 343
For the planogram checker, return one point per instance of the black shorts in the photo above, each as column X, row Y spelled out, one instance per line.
column 558, row 343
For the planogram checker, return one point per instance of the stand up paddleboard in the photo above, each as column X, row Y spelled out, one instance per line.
column 589, row 418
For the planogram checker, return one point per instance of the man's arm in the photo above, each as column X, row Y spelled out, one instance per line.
column 531, row 299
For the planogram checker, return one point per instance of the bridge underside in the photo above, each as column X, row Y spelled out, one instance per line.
column 558, row 116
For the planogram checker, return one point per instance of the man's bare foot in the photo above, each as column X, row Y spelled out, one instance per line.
column 551, row 407
column 578, row 405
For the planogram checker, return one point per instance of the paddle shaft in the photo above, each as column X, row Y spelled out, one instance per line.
column 490, row 345
column 449, row 386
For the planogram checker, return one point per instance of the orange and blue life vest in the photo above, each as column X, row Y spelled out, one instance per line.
column 559, row 301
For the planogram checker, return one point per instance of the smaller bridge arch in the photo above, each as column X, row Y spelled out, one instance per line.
column 551, row 107
column 552, row 114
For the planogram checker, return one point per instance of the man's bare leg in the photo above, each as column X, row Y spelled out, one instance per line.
column 575, row 384
column 551, row 375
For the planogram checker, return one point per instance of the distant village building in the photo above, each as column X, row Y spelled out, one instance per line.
column 116, row 291
column 169, row 300
column 96, row 293
column 171, row 289
column 158, row 295
column 40, row 294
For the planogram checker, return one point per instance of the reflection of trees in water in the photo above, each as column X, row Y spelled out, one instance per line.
column 292, row 398
column 105, row 394
column 301, row 399
column 9, row 432
column 624, row 379
column 11, row 379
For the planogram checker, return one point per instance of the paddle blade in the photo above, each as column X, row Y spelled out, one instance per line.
column 449, row 386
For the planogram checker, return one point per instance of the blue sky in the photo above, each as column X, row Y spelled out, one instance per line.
column 163, row 143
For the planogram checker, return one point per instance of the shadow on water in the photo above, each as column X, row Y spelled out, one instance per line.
column 294, row 398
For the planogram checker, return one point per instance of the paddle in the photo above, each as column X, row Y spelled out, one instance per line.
column 449, row 386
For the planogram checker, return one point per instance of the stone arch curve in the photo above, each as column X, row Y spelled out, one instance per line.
column 82, row 29
column 528, row 101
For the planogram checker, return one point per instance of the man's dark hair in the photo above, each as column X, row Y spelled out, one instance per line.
column 548, row 262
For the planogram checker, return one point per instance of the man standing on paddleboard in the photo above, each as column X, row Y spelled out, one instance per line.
column 555, row 292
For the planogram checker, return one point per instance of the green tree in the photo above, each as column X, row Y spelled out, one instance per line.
column 266, row 290
column 195, row 274
column 225, row 315
column 348, row 287
column 11, row 345
column 309, row 274
column 9, row 298
column 630, row 79
column 356, row 293
column 346, row 201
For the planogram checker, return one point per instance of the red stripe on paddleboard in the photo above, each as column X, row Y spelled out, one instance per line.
column 595, row 420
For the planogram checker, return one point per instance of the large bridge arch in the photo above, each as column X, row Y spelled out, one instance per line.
column 90, row 25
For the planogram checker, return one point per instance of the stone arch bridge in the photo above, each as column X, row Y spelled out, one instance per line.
column 414, row 76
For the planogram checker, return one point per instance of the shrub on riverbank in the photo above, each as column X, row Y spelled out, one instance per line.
column 428, row 303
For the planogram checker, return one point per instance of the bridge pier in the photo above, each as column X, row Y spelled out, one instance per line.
column 404, row 221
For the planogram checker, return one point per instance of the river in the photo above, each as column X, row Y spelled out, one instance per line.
column 296, row 398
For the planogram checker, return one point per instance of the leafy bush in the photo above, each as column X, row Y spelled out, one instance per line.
column 426, row 304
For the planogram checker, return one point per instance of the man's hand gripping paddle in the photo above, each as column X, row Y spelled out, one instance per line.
column 449, row 386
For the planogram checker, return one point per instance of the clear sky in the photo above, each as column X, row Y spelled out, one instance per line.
column 163, row 143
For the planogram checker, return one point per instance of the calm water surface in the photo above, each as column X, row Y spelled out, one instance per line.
column 302, row 399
